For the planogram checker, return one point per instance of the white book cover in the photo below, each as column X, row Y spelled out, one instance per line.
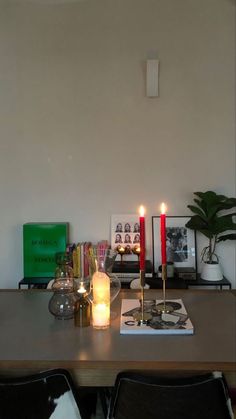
column 176, row 322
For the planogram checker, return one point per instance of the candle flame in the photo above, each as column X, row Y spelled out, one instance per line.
column 163, row 208
column 81, row 289
column 141, row 211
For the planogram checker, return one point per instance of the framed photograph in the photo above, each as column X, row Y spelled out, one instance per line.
column 180, row 243
column 125, row 232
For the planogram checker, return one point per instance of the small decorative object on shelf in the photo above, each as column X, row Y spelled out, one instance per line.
column 136, row 250
column 121, row 250
column 82, row 306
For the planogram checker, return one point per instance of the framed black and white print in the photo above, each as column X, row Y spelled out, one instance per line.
column 180, row 242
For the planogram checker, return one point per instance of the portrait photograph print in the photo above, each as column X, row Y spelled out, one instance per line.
column 125, row 232
column 180, row 242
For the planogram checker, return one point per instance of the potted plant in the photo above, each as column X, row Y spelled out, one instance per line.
column 213, row 219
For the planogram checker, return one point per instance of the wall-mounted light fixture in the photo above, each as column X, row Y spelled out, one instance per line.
column 152, row 78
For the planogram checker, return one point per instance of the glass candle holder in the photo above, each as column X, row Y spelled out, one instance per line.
column 82, row 311
column 82, row 306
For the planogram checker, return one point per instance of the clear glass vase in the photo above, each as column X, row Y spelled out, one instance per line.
column 63, row 301
column 64, row 270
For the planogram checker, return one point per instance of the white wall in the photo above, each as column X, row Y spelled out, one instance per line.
column 79, row 140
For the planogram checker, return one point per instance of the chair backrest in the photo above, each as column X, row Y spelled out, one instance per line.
column 50, row 394
column 147, row 396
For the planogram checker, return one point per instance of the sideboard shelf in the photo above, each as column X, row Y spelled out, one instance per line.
column 173, row 283
column 199, row 282
column 34, row 282
column 187, row 283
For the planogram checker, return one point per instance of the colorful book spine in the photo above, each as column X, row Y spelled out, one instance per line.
column 80, row 253
column 87, row 246
column 82, row 259
column 78, row 257
column 75, row 262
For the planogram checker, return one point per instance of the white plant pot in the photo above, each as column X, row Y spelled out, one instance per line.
column 211, row 272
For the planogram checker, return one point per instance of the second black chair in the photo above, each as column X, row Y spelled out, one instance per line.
column 145, row 396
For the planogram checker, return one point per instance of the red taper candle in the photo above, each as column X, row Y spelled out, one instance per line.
column 163, row 234
column 142, row 238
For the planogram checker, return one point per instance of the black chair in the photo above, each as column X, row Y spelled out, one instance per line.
column 147, row 396
column 50, row 394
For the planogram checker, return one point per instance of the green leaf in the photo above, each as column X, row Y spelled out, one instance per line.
column 224, row 223
column 201, row 204
column 197, row 223
column 226, row 237
column 200, row 194
column 228, row 203
column 197, row 210
column 213, row 211
column 209, row 199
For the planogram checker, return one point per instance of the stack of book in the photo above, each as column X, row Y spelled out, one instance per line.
column 125, row 270
column 79, row 257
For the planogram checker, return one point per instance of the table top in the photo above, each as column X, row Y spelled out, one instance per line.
column 32, row 339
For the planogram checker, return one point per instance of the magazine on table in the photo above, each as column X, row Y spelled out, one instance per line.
column 175, row 321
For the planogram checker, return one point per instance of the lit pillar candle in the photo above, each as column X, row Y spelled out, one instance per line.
column 101, row 287
column 163, row 234
column 101, row 315
column 142, row 238
column 101, row 300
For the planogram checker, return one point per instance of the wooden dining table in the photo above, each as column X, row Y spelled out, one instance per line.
column 32, row 339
